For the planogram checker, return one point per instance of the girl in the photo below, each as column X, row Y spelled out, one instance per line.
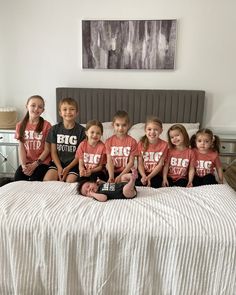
column 34, row 152
column 206, row 148
column 121, row 148
column 91, row 153
column 65, row 138
column 152, row 152
column 179, row 166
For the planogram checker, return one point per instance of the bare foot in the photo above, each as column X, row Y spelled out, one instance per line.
column 134, row 173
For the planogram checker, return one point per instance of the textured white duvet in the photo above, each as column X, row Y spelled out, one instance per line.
column 165, row 241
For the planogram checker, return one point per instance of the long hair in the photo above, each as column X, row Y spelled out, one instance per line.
column 25, row 120
column 183, row 130
column 214, row 139
column 154, row 120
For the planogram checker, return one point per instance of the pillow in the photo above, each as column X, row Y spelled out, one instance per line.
column 191, row 128
column 137, row 130
column 107, row 130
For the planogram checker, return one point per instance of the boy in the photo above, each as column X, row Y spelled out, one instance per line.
column 103, row 191
column 64, row 138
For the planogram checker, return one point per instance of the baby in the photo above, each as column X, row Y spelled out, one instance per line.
column 103, row 191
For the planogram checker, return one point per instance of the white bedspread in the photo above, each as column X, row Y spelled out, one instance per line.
column 165, row 241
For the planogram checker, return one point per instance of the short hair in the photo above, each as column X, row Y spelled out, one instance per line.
column 70, row 101
column 81, row 183
column 121, row 115
column 183, row 130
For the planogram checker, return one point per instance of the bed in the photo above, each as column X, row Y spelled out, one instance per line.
column 165, row 241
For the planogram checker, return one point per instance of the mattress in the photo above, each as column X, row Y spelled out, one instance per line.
column 165, row 241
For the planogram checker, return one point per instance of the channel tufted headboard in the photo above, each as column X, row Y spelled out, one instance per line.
column 169, row 105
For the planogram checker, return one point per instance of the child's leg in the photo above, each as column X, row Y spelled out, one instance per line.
column 129, row 189
column 209, row 179
column 71, row 177
column 51, row 174
column 181, row 182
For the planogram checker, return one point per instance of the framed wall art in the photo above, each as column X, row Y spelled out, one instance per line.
column 129, row 44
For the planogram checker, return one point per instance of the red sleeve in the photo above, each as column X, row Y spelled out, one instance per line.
column 134, row 147
column 218, row 162
column 80, row 151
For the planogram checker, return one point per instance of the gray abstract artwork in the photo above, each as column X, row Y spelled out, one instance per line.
column 129, row 44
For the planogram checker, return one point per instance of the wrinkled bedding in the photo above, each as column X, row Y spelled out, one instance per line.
column 165, row 241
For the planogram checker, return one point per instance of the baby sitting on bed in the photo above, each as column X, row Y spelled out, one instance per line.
column 103, row 191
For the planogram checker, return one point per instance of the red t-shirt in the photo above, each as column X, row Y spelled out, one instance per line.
column 120, row 150
column 93, row 156
column 179, row 162
column 153, row 154
column 34, row 142
column 206, row 163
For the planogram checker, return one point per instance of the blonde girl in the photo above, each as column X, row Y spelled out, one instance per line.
column 91, row 153
column 121, row 148
column 206, row 149
column 179, row 166
column 34, row 152
column 152, row 152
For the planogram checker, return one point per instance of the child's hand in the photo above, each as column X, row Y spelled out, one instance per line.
column 59, row 172
column 65, row 172
column 118, row 179
column 165, row 182
column 88, row 172
column 99, row 181
column 82, row 172
column 190, row 184
column 111, row 180
column 31, row 167
column 144, row 180
column 26, row 169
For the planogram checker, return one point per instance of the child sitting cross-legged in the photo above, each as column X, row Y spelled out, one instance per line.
column 103, row 191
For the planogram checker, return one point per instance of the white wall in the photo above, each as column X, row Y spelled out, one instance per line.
column 40, row 43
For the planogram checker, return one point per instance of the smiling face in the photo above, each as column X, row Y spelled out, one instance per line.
column 88, row 188
column 94, row 134
column 68, row 112
column 35, row 107
column 153, row 131
column 121, row 127
column 177, row 138
column 203, row 143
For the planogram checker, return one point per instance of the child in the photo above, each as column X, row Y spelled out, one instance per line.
column 206, row 148
column 103, row 191
column 34, row 152
column 121, row 148
column 152, row 152
column 179, row 166
column 91, row 153
column 65, row 138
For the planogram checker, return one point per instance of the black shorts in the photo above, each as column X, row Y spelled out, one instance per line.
column 73, row 170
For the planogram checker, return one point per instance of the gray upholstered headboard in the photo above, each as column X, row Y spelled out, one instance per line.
column 169, row 105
